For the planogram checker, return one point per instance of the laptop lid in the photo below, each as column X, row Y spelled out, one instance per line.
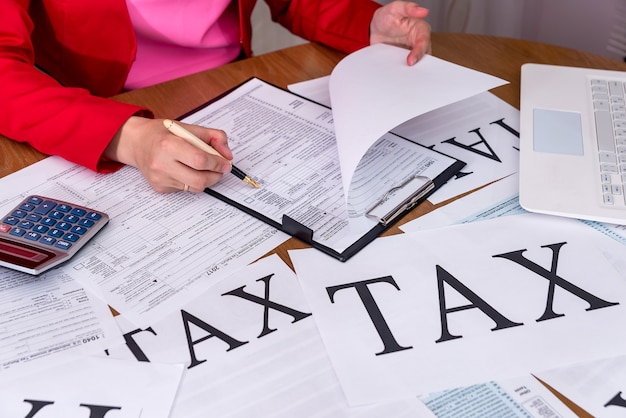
column 560, row 167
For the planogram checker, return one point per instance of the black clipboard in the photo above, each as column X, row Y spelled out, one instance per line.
column 387, row 211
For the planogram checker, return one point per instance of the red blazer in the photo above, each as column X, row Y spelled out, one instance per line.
column 88, row 48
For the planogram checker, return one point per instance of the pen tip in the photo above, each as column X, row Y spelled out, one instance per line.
column 252, row 182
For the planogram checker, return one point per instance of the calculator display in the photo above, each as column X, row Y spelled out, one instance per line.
column 19, row 253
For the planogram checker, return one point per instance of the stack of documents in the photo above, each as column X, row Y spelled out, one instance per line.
column 437, row 321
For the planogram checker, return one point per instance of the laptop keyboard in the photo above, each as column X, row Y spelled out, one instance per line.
column 609, row 102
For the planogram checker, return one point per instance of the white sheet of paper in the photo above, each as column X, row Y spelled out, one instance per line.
column 482, row 131
column 158, row 250
column 598, row 387
column 388, row 340
column 373, row 90
column 112, row 388
column 45, row 319
column 261, row 366
column 496, row 199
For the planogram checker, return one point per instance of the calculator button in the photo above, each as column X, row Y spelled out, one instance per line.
column 71, row 218
column 11, row 220
column 48, row 240
column 55, row 214
column 18, row 232
column 79, row 212
column 64, row 226
column 45, row 207
column 33, row 236
column 4, row 228
column 87, row 223
column 19, row 214
column 64, row 208
column 26, row 224
column 35, row 200
column 64, row 245
column 33, row 218
column 27, row 207
column 71, row 237
column 48, row 221
column 79, row 230
column 94, row 216
column 56, row 233
column 42, row 229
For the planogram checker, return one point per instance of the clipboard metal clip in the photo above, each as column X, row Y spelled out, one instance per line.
column 397, row 200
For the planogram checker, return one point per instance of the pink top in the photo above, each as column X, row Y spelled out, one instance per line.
column 176, row 38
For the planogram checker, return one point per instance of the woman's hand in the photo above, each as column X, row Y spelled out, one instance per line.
column 402, row 23
column 168, row 162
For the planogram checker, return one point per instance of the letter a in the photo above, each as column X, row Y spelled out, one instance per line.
column 213, row 332
column 617, row 400
column 477, row 302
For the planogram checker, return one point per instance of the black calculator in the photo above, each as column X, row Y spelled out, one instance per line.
column 42, row 232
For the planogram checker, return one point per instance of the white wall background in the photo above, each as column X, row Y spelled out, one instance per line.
column 597, row 26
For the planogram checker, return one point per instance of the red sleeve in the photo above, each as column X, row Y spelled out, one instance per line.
column 35, row 108
column 340, row 24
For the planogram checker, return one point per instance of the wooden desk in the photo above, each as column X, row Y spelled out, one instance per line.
column 497, row 56
column 501, row 57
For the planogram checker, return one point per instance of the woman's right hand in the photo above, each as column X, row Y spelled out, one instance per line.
column 170, row 163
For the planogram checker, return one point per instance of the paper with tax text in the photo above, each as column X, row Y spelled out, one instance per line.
column 452, row 306
column 157, row 251
column 251, row 349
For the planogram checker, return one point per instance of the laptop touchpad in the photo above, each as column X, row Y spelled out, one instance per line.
column 557, row 132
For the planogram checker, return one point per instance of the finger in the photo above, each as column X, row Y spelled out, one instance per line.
column 414, row 56
column 214, row 137
column 415, row 11
column 195, row 181
column 194, row 152
column 219, row 141
column 199, row 160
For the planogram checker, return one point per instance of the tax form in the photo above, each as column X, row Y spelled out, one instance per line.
column 48, row 318
column 329, row 177
column 288, row 145
column 158, row 249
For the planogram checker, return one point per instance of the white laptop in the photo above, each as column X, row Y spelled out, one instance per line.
column 562, row 171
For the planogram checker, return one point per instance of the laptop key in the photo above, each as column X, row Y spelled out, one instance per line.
column 607, row 157
column 615, row 88
column 604, row 131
